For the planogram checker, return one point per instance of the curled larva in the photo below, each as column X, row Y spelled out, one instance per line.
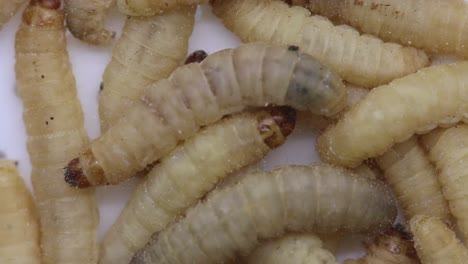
column 149, row 49
column 152, row 7
column 54, row 125
column 414, row 180
column 8, row 8
column 233, row 220
column 198, row 94
column 435, row 243
column 362, row 60
column 19, row 232
column 189, row 172
column 437, row 26
column 392, row 113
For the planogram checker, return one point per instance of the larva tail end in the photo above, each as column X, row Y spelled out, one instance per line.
column 48, row 4
column 285, row 118
column 196, row 56
column 74, row 175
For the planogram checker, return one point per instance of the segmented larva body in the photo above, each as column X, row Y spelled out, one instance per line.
column 198, row 94
column 231, row 221
column 85, row 20
column 414, row 180
column 293, row 248
column 189, row 172
column 362, row 60
column 149, row 49
column 54, row 125
column 19, row 232
column 152, row 7
column 435, row 243
column 392, row 113
column 437, row 26
column 8, row 8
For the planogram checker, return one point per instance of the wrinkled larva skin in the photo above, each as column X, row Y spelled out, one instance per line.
column 85, row 20
column 437, row 26
column 392, row 113
column 435, row 243
column 54, row 125
column 448, row 150
column 19, row 231
column 149, row 49
column 199, row 94
column 152, row 7
column 414, row 180
column 233, row 220
column 8, row 9
column 363, row 60
column 189, row 172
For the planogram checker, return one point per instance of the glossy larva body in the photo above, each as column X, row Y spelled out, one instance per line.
column 8, row 9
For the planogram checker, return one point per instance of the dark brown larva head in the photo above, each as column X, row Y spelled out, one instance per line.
column 276, row 124
column 285, row 118
column 196, row 56
column 74, row 175
column 397, row 241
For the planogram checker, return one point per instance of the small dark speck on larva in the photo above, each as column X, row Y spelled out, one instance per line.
column 101, row 87
column 42, row 76
column 51, row 118
column 2, row 155
column 293, row 48
column 47, row 123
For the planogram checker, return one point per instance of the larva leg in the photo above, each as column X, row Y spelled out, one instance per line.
column 152, row 7
column 392, row 113
column 149, row 49
column 198, row 94
column 435, row 243
column 318, row 198
column 54, row 125
column 362, row 60
column 414, row 180
column 8, row 8
column 19, row 232
column 189, row 172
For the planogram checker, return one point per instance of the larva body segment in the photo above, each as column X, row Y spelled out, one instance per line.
column 392, row 113
column 54, row 125
column 414, row 180
column 198, row 94
column 435, row 243
column 189, row 172
column 363, row 60
column 152, row 7
column 19, row 231
column 8, row 9
column 437, row 26
column 231, row 221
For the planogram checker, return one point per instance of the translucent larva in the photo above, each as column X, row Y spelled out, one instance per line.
column 232, row 221
column 54, row 125
column 414, row 180
column 198, row 94
column 437, row 26
column 392, row 113
column 149, row 49
column 19, row 231
column 8, row 9
column 189, row 172
column 435, row 243
column 362, row 60
column 152, row 7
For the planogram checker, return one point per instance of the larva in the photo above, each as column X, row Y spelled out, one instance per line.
column 435, row 243
column 54, row 125
column 189, row 172
column 19, row 232
column 8, row 8
column 414, row 180
column 231, row 221
column 152, row 7
column 149, row 49
column 437, row 26
column 392, row 113
column 362, row 60
column 85, row 20
column 198, row 94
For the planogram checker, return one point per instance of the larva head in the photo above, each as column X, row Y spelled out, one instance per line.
column 74, row 175
column 43, row 13
column 196, row 56
column 395, row 243
column 276, row 124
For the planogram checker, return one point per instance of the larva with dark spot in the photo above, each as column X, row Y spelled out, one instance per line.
column 437, row 26
column 8, row 9
column 363, row 60
column 392, row 113
column 19, row 231
column 152, row 7
column 233, row 220
column 196, row 56
column 199, row 94
column 189, row 172
column 54, row 124
column 149, row 49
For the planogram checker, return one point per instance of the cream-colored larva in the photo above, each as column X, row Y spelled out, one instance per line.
column 233, row 220
column 19, row 231
column 437, row 26
column 189, row 172
column 363, row 60
column 8, row 8
column 149, row 49
column 152, row 7
column 392, row 113
column 198, row 94
column 55, row 129
column 435, row 243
